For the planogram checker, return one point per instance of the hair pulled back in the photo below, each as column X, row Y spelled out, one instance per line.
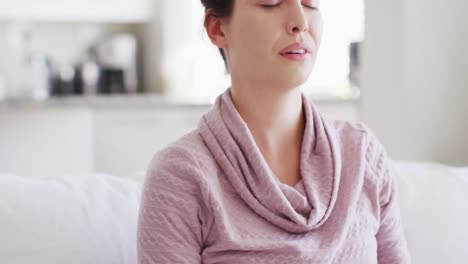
column 220, row 9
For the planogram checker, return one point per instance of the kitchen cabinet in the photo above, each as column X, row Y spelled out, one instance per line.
column 46, row 142
column 52, row 140
column 126, row 139
column 119, row 11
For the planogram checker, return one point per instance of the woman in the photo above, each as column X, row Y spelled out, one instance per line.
column 265, row 178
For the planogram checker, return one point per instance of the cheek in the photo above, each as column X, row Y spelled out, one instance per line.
column 252, row 39
column 316, row 28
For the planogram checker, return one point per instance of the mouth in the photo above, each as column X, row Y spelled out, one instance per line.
column 296, row 51
column 295, row 56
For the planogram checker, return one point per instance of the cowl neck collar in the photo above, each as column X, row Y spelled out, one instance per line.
column 298, row 209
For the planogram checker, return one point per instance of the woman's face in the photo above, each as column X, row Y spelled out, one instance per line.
column 259, row 31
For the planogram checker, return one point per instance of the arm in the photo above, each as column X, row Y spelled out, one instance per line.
column 169, row 225
column 391, row 243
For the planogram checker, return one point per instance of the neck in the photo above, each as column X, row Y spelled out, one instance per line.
column 275, row 117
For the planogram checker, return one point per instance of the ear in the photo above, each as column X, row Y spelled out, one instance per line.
column 215, row 28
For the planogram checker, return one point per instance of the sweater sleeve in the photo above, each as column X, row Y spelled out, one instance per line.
column 391, row 243
column 170, row 218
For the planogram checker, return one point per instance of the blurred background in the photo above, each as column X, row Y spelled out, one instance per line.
column 102, row 85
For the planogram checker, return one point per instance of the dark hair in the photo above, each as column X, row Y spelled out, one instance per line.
column 221, row 8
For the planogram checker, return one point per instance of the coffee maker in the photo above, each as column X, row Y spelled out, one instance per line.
column 111, row 65
column 118, row 58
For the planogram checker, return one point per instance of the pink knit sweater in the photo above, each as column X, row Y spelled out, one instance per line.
column 210, row 197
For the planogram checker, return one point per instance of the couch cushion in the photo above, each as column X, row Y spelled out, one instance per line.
column 433, row 201
column 71, row 219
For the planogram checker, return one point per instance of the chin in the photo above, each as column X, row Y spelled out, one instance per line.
column 288, row 78
column 290, row 82
column 295, row 79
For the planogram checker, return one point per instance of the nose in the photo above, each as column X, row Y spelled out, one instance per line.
column 298, row 21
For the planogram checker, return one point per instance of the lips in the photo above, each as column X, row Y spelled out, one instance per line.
column 296, row 48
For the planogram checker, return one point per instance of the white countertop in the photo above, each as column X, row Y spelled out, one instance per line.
column 132, row 101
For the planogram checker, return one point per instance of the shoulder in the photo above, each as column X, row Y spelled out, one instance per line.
column 180, row 163
column 377, row 158
column 180, row 152
column 352, row 136
column 347, row 129
column 358, row 134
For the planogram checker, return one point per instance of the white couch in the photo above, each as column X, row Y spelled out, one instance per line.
column 86, row 219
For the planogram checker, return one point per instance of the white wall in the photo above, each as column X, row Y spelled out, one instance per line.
column 437, row 38
column 415, row 78
column 383, row 78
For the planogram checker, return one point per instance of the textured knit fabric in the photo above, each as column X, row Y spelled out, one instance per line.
column 210, row 197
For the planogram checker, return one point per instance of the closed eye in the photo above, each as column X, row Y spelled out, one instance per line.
column 311, row 7
column 311, row 4
column 278, row 4
column 270, row 6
